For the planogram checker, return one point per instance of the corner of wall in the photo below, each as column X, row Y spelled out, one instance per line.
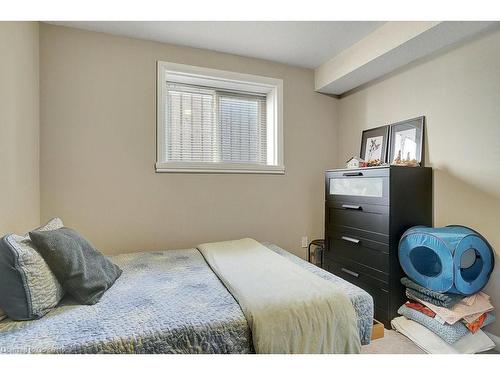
column 20, row 126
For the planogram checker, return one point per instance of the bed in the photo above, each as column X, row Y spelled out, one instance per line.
column 164, row 302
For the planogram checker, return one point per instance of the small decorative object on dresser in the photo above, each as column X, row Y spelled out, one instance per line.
column 406, row 142
column 366, row 213
column 374, row 145
column 355, row 162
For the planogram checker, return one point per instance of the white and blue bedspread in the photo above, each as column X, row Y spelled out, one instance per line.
column 164, row 302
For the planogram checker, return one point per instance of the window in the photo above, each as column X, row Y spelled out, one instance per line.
column 217, row 121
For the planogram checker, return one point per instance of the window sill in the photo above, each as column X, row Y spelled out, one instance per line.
column 166, row 168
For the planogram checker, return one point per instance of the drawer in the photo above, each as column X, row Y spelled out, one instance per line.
column 358, row 186
column 364, row 271
column 379, row 293
column 366, row 172
column 360, row 271
column 367, row 239
column 380, row 239
column 371, row 218
column 343, row 246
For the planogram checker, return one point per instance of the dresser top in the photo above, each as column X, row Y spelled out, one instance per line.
column 371, row 168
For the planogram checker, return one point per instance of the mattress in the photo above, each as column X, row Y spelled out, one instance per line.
column 164, row 302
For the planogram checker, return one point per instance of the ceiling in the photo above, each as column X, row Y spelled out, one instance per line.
column 304, row 44
column 343, row 54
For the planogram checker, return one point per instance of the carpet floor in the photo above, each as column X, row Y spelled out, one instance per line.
column 392, row 343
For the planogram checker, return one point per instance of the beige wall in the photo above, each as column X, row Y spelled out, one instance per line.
column 459, row 93
column 98, row 151
column 19, row 127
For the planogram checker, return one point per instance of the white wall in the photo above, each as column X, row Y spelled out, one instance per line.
column 19, row 127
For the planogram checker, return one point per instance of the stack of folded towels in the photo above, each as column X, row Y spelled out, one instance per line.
column 445, row 322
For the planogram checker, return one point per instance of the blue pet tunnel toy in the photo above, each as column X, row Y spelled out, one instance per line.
column 453, row 259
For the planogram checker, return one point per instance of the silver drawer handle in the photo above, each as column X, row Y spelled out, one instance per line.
column 352, row 273
column 351, row 207
column 350, row 239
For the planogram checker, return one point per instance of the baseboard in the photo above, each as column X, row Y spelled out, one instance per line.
column 495, row 339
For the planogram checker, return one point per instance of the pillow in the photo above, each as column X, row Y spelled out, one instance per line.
column 28, row 289
column 82, row 270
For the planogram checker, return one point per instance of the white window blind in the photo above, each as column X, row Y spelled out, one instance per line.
column 208, row 125
column 216, row 124
column 190, row 124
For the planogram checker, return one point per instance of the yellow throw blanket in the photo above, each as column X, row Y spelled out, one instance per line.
column 289, row 309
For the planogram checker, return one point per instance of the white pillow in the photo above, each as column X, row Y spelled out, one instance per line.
column 37, row 289
column 52, row 224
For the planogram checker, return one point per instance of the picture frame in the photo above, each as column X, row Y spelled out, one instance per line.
column 374, row 144
column 406, row 144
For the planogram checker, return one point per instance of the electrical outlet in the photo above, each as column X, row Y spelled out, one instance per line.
column 305, row 241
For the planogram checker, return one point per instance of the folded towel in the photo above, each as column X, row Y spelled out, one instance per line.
column 431, row 343
column 417, row 296
column 436, row 298
column 422, row 308
column 448, row 332
column 476, row 324
column 460, row 311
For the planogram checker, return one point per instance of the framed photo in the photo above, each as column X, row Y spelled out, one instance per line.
column 374, row 145
column 406, row 142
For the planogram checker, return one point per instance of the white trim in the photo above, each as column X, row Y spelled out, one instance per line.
column 189, row 74
column 278, row 118
column 160, row 114
column 222, row 168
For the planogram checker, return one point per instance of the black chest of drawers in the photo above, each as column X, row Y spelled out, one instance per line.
column 366, row 212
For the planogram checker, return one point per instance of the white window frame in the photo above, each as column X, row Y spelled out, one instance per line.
column 189, row 74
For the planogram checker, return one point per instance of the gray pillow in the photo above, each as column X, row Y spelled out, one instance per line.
column 83, row 271
column 28, row 289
